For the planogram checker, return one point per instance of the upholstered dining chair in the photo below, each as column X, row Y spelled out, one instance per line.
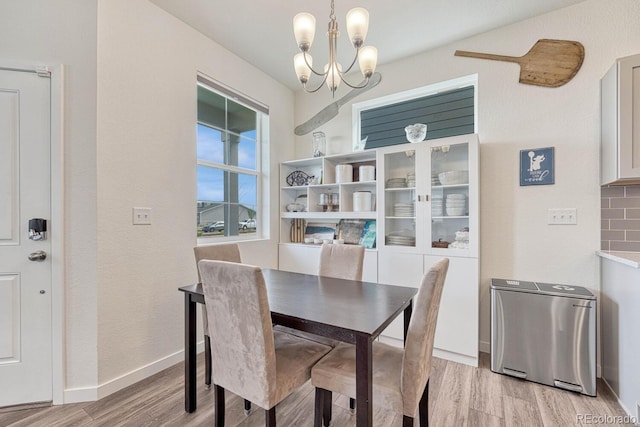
column 400, row 376
column 227, row 252
column 249, row 358
column 340, row 262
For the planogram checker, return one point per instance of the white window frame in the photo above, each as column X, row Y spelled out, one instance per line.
column 262, row 145
column 432, row 89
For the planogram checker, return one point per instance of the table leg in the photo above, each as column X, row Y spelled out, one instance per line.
column 407, row 318
column 189, row 354
column 364, row 381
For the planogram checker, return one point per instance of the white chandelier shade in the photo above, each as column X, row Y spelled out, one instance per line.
column 304, row 28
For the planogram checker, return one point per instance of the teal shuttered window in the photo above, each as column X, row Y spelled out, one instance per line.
column 447, row 113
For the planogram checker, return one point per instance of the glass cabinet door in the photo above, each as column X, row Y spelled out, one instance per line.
column 449, row 165
column 399, row 198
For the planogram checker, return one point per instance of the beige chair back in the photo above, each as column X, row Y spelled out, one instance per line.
column 342, row 261
column 229, row 252
column 243, row 352
column 418, row 347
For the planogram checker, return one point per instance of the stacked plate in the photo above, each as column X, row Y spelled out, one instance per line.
column 404, row 209
column 396, row 183
column 456, row 204
column 400, row 240
column 435, row 180
column 436, row 205
column 454, row 177
column 411, row 179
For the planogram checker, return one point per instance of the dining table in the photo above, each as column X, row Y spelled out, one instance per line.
column 351, row 311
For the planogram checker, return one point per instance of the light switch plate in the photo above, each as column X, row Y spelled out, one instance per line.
column 141, row 216
column 562, row 216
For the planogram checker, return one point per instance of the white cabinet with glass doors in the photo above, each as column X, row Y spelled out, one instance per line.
column 428, row 197
column 428, row 209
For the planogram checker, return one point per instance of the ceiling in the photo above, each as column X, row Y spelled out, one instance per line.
column 261, row 31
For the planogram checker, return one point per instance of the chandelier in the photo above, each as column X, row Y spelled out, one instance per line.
column 304, row 28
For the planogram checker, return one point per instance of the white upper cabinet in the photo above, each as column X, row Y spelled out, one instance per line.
column 620, row 115
column 428, row 197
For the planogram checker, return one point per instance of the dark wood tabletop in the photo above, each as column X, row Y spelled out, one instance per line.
column 351, row 311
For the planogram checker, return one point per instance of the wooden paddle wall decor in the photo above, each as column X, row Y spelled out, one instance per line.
column 549, row 63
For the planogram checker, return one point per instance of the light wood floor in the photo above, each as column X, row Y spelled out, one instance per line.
column 459, row 396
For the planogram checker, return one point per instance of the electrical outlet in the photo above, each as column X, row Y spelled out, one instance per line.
column 141, row 216
column 564, row 216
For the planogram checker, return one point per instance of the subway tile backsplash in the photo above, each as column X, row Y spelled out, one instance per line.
column 620, row 218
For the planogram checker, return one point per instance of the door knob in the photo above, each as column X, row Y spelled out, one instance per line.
column 37, row 256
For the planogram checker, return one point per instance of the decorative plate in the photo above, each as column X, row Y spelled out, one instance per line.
column 297, row 178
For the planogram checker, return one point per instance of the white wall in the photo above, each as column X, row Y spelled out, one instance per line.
column 147, row 65
column 53, row 33
column 123, row 310
column 516, row 240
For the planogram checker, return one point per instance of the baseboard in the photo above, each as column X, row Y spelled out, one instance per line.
column 485, row 347
column 634, row 418
column 90, row 394
column 456, row 357
column 439, row 353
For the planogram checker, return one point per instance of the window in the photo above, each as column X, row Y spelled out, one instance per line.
column 231, row 134
column 448, row 108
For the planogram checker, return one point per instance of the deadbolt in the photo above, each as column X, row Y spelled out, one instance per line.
column 37, row 256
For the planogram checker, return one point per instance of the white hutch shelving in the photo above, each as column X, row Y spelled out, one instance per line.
column 415, row 213
column 304, row 258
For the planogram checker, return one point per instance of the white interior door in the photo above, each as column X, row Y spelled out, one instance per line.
column 25, row 285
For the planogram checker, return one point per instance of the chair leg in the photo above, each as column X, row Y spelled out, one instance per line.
column 318, row 412
column 207, row 362
column 407, row 421
column 352, row 405
column 219, row 398
column 270, row 417
column 423, row 407
column 207, row 371
column 327, row 403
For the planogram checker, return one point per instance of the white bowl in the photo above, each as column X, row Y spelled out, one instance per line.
column 416, row 133
column 454, row 177
column 295, row 207
column 455, row 211
column 456, row 196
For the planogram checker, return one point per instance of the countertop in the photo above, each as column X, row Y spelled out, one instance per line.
column 632, row 259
